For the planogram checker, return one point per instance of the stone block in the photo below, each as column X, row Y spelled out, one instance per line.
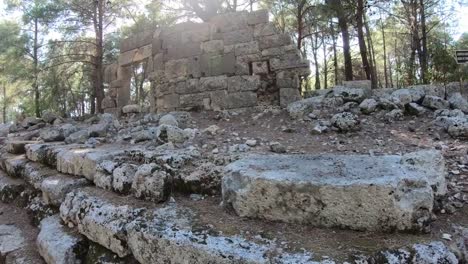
column 157, row 45
column 108, row 102
column 213, row 65
column 243, row 63
column 359, row 192
column 110, row 73
column 238, row 36
column 243, row 83
column 289, row 95
column 246, row 48
column 230, row 21
column 288, row 63
column 190, row 86
column 186, row 50
column 214, row 83
column 158, row 62
column 218, row 100
column 264, row 29
column 257, row 17
column 143, row 53
column 193, row 67
column 241, row 100
column 279, row 51
column 137, row 41
column 200, row 33
column 123, row 94
column 213, row 46
column 124, row 73
column 363, row 84
column 260, row 67
column 176, row 68
column 126, row 58
column 273, row 41
column 193, row 100
column 287, row 79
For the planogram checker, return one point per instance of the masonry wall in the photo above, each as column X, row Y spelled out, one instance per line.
column 236, row 60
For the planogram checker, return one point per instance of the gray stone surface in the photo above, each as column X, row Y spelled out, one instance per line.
column 435, row 103
column 57, row 244
column 345, row 122
column 381, row 193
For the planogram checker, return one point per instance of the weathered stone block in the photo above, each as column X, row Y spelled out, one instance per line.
column 218, row 100
column 201, row 32
column 246, row 48
column 287, row 79
column 238, row 36
column 241, row 100
column 214, row 83
column 243, row 83
column 381, row 192
column 279, row 51
column 217, row 65
column 171, row 101
column 213, row 46
column 193, row 100
column 143, row 53
column 176, row 68
column 264, row 29
column 230, row 21
column 126, row 58
column 289, row 95
column 257, row 17
column 180, row 51
column 272, row 41
column 243, row 63
column 260, row 67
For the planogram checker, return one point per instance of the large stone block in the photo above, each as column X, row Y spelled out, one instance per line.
column 243, row 63
column 213, row 65
column 126, row 58
column 349, row 191
column 200, row 33
column 272, row 41
column 186, row 50
column 260, row 67
column 238, row 36
column 287, row 79
column 214, row 83
column 246, row 48
column 158, row 62
column 243, row 83
column 264, row 29
column 230, row 21
column 279, row 51
column 218, row 100
column 139, row 40
column 213, row 46
column 143, row 53
column 258, row 17
column 176, row 68
column 289, row 95
column 193, row 100
column 241, row 100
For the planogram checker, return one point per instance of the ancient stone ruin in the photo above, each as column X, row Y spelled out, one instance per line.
column 236, row 60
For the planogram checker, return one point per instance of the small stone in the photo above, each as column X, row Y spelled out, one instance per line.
column 277, row 147
column 251, row 142
column 447, row 237
column 169, row 120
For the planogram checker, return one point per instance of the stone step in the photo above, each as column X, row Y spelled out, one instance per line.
column 18, row 146
column 164, row 234
column 348, row 191
column 53, row 185
column 11, row 189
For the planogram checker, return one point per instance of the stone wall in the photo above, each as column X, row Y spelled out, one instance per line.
column 236, row 60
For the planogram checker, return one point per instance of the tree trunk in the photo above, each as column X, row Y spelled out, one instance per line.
column 343, row 24
column 361, row 40
column 335, row 56
column 98, row 28
column 384, row 51
column 372, row 61
column 423, row 54
column 36, row 69
column 4, row 112
column 325, row 63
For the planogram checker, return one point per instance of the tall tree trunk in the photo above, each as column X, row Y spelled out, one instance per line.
column 384, row 51
column 372, row 61
column 36, row 69
column 335, row 55
column 300, row 23
column 361, row 38
column 325, row 63
column 314, row 45
column 423, row 54
column 343, row 23
column 98, row 28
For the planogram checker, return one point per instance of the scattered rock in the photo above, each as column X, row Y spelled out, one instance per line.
column 131, row 109
column 277, row 147
column 435, row 103
column 394, row 115
column 345, row 122
column 368, row 106
column 168, row 120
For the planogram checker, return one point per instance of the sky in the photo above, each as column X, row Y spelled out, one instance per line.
column 461, row 16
